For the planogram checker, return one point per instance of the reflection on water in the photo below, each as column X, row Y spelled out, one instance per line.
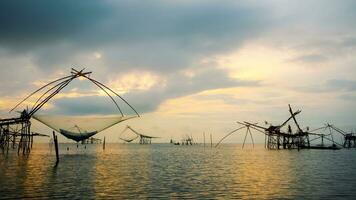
column 165, row 171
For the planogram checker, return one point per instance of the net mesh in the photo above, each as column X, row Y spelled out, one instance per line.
column 128, row 135
column 80, row 127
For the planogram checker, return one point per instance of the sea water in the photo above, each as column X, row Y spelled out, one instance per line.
column 133, row 171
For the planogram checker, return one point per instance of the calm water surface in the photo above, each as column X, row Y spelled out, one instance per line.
column 135, row 171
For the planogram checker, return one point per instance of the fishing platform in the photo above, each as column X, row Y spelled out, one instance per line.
column 283, row 137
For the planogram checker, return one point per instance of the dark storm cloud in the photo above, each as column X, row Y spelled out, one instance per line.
column 28, row 24
column 161, row 35
column 158, row 36
column 93, row 22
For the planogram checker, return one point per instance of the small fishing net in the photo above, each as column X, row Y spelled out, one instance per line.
column 128, row 135
column 80, row 127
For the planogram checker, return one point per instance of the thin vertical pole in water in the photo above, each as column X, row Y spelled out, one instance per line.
column 211, row 141
column 56, row 147
column 14, row 141
column 204, row 138
column 31, row 140
column 104, row 144
column 21, row 138
column 265, row 141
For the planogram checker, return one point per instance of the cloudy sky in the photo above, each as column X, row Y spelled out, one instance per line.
column 188, row 66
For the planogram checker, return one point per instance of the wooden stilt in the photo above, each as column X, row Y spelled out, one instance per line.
column 204, row 138
column 104, row 144
column 14, row 141
column 56, row 147
column 265, row 141
column 31, row 141
column 211, row 141
column 21, row 140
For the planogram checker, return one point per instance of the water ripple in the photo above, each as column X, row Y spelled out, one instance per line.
column 177, row 172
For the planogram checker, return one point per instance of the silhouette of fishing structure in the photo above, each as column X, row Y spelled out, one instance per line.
column 66, row 125
column 92, row 140
column 349, row 139
column 277, row 138
column 16, row 133
column 143, row 139
column 186, row 140
column 174, row 142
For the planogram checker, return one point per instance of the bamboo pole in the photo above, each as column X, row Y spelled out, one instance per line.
column 56, row 147
column 204, row 139
column 104, row 144
column 211, row 141
column 24, row 147
column 21, row 139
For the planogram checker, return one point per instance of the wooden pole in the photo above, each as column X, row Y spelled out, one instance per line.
column 204, row 138
column 265, row 141
column 7, row 142
column 211, row 141
column 31, row 140
column 21, row 139
column 25, row 140
column 104, row 144
column 56, row 147
column 14, row 141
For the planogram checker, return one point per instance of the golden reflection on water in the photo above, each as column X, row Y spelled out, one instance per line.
column 33, row 173
column 263, row 174
column 122, row 174
column 177, row 172
column 28, row 172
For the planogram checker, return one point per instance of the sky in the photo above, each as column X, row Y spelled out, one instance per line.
column 187, row 66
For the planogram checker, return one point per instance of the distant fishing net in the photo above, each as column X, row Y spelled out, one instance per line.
column 131, row 134
column 80, row 127
column 128, row 135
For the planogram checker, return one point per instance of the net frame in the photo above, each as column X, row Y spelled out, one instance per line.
column 51, row 89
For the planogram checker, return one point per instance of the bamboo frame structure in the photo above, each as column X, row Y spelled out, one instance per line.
column 349, row 138
column 277, row 139
column 9, row 131
column 189, row 140
column 143, row 139
column 92, row 140
column 57, row 85
column 16, row 133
